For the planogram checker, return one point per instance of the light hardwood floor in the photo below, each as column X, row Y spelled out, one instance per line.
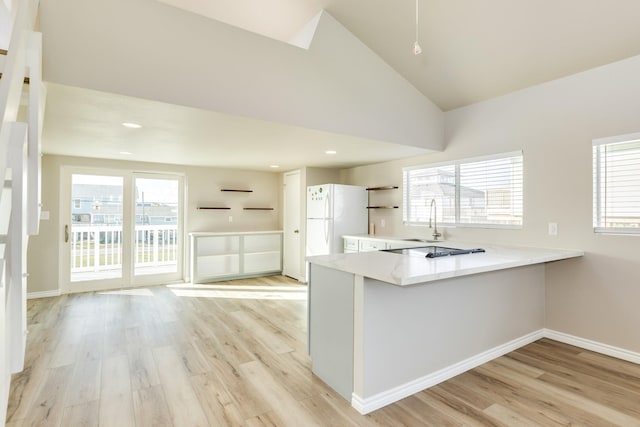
column 234, row 354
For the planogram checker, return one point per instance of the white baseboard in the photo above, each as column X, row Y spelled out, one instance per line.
column 364, row 406
column 606, row 349
column 44, row 294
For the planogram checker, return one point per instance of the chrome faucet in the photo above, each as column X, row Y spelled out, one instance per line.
column 433, row 213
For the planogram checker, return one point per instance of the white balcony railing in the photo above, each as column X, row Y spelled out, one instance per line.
column 98, row 248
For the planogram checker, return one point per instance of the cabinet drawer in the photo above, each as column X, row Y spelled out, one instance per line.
column 371, row 245
column 350, row 245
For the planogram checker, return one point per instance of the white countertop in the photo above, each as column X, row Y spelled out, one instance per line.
column 405, row 270
column 392, row 239
column 231, row 233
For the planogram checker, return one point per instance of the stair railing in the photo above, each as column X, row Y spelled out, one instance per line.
column 20, row 170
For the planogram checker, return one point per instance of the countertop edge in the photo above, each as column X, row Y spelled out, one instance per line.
column 400, row 269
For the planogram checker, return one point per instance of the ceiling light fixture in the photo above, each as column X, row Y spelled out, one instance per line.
column 417, row 50
column 131, row 125
column 274, row 166
column 126, row 153
column 330, row 152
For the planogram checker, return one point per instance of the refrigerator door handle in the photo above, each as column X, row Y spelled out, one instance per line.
column 326, row 205
column 326, row 232
column 326, row 221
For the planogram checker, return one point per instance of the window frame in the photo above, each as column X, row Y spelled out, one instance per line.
column 596, row 174
column 456, row 165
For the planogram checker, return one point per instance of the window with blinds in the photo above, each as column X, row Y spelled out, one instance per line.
column 616, row 184
column 484, row 192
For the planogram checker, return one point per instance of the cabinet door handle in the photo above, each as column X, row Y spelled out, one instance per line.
column 66, row 233
column 296, row 231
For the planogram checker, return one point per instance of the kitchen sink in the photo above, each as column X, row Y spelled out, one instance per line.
column 433, row 251
column 419, row 240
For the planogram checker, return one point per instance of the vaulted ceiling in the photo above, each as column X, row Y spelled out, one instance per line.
column 472, row 51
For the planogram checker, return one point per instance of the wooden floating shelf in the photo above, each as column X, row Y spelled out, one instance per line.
column 229, row 190
column 257, row 209
column 211, row 208
column 388, row 187
column 382, row 207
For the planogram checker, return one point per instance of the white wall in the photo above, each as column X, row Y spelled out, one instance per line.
column 203, row 189
column 594, row 297
column 5, row 26
column 167, row 54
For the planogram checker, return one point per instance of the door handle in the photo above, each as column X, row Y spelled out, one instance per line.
column 296, row 231
column 66, row 233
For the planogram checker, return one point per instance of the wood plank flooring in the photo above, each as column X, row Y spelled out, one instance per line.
column 234, row 354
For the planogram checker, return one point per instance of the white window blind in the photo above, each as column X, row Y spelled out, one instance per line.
column 475, row 192
column 491, row 191
column 616, row 184
column 422, row 185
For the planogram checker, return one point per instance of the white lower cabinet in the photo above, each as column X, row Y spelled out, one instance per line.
column 350, row 245
column 368, row 244
column 223, row 256
column 262, row 253
column 371, row 245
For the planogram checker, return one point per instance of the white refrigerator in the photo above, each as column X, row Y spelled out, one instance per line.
column 334, row 210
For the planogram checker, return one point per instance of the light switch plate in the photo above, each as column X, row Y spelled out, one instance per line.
column 553, row 229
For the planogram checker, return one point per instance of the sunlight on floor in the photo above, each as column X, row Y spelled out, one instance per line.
column 291, row 293
column 139, row 292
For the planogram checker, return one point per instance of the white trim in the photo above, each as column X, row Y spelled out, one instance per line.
column 618, row 231
column 44, row 294
column 630, row 137
column 606, row 349
column 364, row 406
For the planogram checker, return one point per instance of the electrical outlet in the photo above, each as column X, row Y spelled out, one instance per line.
column 230, row 218
column 553, row 229
column 382, row 223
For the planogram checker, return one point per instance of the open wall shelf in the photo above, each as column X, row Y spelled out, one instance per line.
column 212, row 208
column 386, row 187
column 229, row 190
column 257, row 209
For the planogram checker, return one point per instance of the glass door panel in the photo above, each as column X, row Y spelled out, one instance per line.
column 95, row 233
column 157, row 233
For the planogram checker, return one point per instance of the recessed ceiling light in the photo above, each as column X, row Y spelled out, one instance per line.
column 126, row 153
column 131, row 125
column 330, row 152
column 274, row 166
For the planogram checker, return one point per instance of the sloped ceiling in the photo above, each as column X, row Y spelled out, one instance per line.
column 472, row 51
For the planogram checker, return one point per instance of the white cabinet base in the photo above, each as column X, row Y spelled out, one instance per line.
column 226, row 256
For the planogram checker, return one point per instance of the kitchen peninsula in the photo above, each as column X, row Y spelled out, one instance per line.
column 383, row 326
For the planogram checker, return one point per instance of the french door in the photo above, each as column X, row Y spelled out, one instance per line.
column 120, row 229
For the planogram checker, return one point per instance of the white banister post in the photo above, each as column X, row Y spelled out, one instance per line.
column 5, row 375
column 17, row 246
column 37, row 94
